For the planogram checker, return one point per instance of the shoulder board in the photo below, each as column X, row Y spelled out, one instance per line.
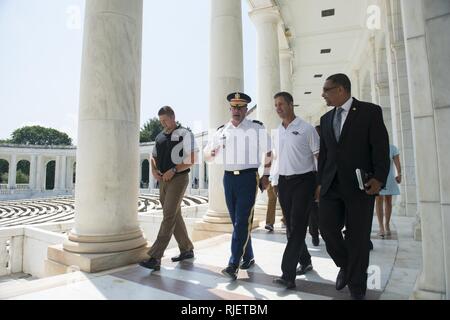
column 220, row 127
column 258, row 122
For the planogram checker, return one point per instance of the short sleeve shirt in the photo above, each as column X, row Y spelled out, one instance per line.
column 242, row 147
column 294, row 149
column 172, row 148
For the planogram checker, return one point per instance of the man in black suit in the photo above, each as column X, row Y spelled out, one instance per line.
column 353, row 136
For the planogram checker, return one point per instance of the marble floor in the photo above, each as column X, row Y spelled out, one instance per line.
column 394, row 266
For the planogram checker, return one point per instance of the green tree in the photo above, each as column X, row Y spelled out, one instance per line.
column 4, row 169
column 23, row 171
column 151, row 129
column 37, row 135
column 22, row 177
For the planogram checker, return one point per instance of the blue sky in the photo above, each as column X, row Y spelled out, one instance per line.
column 40, row 61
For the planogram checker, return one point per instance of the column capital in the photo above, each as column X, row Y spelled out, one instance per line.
column 265, row 15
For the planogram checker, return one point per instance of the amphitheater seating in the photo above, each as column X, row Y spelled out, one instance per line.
column 61, row 209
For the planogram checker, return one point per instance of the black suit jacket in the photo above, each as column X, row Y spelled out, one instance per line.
column 363, row 144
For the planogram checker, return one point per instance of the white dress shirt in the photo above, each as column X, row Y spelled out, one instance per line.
column 295, row 148
column 346, row 108
column 242, row 147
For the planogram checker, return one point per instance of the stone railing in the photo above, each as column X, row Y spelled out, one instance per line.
column 24, row 249
column 11, row 243
column 22, row 186
column 3, row 186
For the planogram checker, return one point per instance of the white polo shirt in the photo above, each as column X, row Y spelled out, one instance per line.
column 242, row 147
column 294, row 149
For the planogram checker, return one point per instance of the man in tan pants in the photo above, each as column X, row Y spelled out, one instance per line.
column 173, row 155
column 271, row 208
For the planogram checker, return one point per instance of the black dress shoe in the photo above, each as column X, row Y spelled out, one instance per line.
column 247, row 264
column 230, row 271
column 357, row 295
column 183, row 256
column 341, row 280
column 304, row 269
column 152, row 263
column 288, row 284
column 315, row 241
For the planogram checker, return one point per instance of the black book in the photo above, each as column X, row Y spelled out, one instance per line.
column 363, row 177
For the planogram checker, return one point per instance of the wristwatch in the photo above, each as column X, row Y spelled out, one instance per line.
column 174, row 169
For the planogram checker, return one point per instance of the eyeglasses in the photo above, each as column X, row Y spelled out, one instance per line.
column 325, row 90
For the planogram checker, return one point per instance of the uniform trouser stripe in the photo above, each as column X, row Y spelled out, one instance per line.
column 250, row 219
column 240, row 195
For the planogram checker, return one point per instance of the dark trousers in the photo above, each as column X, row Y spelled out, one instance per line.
column 336, row 210
column 305, row 257
column 240, row 196
column 314, row 220
column 296, row 197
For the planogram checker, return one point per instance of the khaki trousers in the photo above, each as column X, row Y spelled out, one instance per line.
column 171, row 194
column 271, row 205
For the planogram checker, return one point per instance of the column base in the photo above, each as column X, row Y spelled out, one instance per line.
column 60, row 260
column 104, row 244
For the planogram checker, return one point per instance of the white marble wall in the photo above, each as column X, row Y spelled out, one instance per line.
column 424, row 23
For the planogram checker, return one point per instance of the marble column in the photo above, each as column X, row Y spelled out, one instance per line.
column 356, row 85
column 426, row 24
column 40, row 179
column 63, row 168
column 12, row 174
column 266, row 21
column 383, row 91
column 366, row 86
column 57, row 181
column 267, row 63
column 33, row 171
column 226, row 75
column 406, row 140
column 373, row 68
column 286, row 56
column 70, row 171
column 107, row 187
column 400, row 106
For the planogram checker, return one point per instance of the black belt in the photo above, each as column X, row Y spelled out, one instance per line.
column 238, row 172
column 296, row 176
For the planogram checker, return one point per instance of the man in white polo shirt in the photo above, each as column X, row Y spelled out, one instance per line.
column 295, row 144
